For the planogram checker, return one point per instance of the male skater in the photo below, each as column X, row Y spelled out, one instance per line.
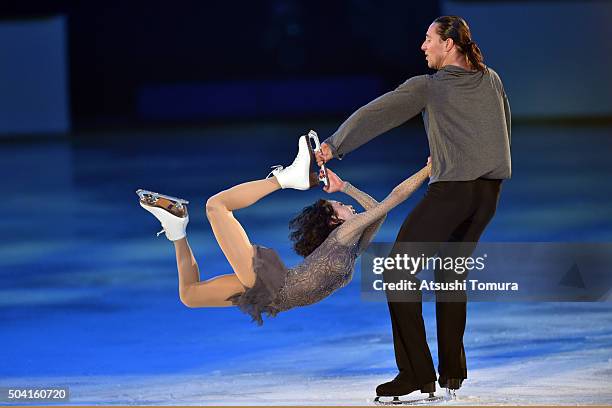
column 467, row 119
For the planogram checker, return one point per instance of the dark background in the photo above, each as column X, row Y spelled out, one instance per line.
column 188, row 98
column 116, row 48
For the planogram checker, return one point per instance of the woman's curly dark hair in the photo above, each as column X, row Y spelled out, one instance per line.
column 312, row 226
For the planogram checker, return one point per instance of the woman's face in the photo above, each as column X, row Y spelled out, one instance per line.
column 343, row 211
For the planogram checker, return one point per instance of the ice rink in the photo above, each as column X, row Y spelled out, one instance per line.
column 89, row 296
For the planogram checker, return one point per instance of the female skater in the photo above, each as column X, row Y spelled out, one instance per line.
column 328, row 234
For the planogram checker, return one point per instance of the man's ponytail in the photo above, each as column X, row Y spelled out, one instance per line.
column 474, row 56
column 456, row 28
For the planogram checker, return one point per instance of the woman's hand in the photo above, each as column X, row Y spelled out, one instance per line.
column 335, row 182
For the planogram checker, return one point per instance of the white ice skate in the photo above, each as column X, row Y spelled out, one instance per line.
column 297, row 175
column 170, row 211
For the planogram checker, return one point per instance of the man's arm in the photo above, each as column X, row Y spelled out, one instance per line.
column 382, row 114
column 508, row 117
column 506, row 105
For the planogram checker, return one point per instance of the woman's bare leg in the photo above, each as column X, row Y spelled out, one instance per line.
column 230, row 235
column 210, row 293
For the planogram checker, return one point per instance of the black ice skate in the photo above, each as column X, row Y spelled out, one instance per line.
column 389, row 393
column 451, row 385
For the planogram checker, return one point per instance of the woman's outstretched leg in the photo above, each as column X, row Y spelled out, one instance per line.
column 210, row 293
column 230, row 235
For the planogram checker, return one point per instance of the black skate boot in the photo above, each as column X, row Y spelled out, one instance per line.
column 451, row 385
column 398, row 387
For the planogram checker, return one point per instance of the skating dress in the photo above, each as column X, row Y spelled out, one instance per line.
column 329, row 267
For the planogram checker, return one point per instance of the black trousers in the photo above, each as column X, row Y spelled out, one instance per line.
column 450, row 211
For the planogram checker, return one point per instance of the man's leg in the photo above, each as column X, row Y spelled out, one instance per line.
column 444, row 207
column 451, row 315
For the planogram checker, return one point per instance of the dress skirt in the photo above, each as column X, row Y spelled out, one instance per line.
column 270, row 277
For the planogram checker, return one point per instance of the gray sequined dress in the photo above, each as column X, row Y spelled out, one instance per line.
column 329, row 267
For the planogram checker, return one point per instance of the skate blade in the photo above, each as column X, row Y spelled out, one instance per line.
column 420, row 401
column 146, row 195
column 176, row 206
column 315, row 146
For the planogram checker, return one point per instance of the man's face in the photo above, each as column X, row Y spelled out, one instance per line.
column 434, row 47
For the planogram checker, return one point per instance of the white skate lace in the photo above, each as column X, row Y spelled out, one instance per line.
column 275, row 168
column 161, row 232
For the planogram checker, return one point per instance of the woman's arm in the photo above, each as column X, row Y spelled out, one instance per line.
column 351, row 229
column 337, row 184
column 367, row 203
column 370, row 232
column 362, row 198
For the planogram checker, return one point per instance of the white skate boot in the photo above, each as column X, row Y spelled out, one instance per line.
column 170, row 211
column 297, row 175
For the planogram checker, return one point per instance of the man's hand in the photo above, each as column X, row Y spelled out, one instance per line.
column 335, row 182
column 324, row 155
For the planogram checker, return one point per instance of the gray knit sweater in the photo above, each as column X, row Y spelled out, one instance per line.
column 466, row 116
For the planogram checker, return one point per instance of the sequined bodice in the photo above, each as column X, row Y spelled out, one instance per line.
column 327, row 269
column 330, row 266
